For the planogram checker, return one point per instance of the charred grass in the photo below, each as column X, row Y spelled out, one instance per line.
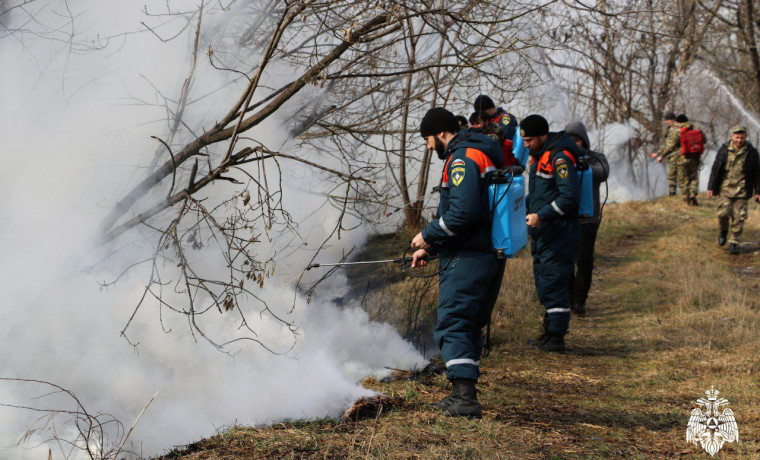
column 670, row 314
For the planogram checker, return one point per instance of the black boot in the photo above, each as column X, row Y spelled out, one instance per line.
column 722, row 238
column 694, row 201
column 556, row 344
column 443, row 403
column 672, row 193
column 579, row 308
column 733, row 249
column 463, row 400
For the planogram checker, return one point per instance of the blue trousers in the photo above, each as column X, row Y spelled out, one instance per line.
column 468, row 285
column 554, row 247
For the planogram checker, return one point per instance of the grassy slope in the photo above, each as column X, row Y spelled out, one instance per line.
column 670, row 315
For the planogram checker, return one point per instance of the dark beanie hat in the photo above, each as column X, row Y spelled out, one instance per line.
column 669, row 116
column 438, row 120
column 534, row 125
column 682, row 118
column 483, row 102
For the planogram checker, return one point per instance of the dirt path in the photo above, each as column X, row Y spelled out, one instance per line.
column 649, row 346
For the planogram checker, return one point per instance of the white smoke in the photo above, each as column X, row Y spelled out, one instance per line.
column 610, row 139
column 72, row 143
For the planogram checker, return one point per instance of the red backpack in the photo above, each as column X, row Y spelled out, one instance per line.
column 692, row 142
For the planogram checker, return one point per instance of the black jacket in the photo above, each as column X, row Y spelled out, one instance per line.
column 751, row 171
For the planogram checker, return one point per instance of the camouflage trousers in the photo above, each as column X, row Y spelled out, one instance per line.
column 673, row 173
column 732, row 212
column 688, row 176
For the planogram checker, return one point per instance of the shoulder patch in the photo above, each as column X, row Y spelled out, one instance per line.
column 562, row 169
column 505, row 119
column 458, row 162
column 457, row 175
column 560, row 161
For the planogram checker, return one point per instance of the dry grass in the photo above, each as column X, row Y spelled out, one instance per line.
column 670, row 314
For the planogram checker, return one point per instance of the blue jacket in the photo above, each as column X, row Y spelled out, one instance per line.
column 554, row 191
column 463, row 220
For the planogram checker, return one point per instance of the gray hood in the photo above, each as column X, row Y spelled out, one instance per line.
column 578, row 129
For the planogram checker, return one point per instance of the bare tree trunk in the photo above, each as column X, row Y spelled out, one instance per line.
column 751, row 40
column 409, row 210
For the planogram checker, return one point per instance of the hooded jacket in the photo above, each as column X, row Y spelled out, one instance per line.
column 600, row 168
column 554, row 188
column 463, row 220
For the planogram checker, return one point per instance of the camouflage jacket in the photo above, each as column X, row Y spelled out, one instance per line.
column 733, row 181
column 672, row 142
column 735, row 174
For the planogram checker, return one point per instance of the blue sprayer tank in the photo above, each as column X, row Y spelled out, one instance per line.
column 506, row 200
column 586, row 181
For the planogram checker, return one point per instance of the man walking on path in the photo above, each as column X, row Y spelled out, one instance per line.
column 692, row 147
column 735, row 177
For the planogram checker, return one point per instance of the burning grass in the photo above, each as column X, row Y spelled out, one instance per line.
column 670, row 314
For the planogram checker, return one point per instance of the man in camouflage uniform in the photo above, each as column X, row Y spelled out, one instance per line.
column 688, row 168
column 735, row 177
column 669, row 149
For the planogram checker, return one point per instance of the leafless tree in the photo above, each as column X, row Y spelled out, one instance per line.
column 623, row 61
column 360, row 73
column 731, row 49
column 435, row 60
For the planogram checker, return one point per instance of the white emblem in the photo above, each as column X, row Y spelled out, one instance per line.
column 712, row 429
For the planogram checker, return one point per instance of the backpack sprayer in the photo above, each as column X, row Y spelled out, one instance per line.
column 586, row 180
column 506, row 201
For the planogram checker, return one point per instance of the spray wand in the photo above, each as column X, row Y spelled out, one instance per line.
column 404, row 261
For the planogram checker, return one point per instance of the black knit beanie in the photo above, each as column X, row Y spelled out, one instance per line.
column 483, row 102
column 669, row 116
column 682, row 118
column 438, row 120
column 534, row 125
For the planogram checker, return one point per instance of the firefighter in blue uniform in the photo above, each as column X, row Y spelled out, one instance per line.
column 553, row 198
column 505, row 122
column 460, row 234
